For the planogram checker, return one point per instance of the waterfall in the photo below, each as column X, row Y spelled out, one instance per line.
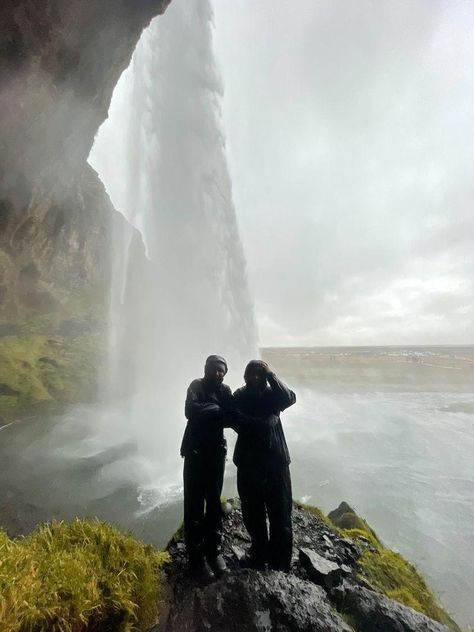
column 182, row 294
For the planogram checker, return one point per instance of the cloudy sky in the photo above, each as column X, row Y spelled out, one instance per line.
column 350, row 134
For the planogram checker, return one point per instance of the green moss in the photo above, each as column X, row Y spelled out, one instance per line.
column 389, row 573
column 8, row 403
column 346, row 518
column 315, row 511
column 363, row 534
column 39, row 368
column 80, row 576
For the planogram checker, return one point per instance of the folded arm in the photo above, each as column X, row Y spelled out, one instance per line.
column 208, row 412
column 240, row 422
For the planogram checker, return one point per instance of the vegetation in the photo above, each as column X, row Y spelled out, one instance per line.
column 346, row 519
column 37, row 368
column 319, row 514
column 76, row 577
column 388, row 572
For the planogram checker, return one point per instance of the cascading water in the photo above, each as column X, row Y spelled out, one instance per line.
column 188, row 297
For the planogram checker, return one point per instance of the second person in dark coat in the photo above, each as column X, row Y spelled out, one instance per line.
column 262, row 459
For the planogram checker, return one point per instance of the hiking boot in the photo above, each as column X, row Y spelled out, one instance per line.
column 201, row 571
column 217, row 564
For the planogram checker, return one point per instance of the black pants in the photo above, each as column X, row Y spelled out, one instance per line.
column 266, row 490
column 203, row 478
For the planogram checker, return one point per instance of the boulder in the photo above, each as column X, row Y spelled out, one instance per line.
column 255, row 602
column 320, row 570
column 378, row 613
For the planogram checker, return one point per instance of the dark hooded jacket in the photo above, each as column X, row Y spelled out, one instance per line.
column 205, row 409
column 260, row 434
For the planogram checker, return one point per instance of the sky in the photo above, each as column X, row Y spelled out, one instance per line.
column 350, row 136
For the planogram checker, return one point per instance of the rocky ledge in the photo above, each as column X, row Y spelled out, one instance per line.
column 332, row 585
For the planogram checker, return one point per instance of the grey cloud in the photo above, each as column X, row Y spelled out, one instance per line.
column 350, row 147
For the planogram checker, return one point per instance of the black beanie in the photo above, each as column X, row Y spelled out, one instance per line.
column 216, row 359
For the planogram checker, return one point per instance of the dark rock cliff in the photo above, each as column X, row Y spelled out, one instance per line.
column 59, row 63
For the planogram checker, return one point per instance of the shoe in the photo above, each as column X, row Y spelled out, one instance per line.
column 201, row 572
column 217, row 564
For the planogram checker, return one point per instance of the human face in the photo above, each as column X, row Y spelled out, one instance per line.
column 255, row 379
column 214, row 373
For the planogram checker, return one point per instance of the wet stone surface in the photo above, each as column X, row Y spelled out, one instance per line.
column 321, row 585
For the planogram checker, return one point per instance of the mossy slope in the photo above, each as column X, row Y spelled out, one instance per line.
column 388, row 572
column 76, row 577
column 40, row 368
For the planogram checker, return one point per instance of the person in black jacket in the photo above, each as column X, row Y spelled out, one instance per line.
column 262, row 459
column 204, row 449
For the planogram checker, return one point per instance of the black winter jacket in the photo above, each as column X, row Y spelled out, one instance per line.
column 205, row 409
column 261, row 438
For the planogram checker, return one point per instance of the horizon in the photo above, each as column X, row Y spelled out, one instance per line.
column 362, row 346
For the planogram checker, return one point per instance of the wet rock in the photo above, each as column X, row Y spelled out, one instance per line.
column 328, row 541
column 238, row 552
column 337, row 514
column 320, row 570
column 310, row 597
column 252, row 601
column 378, row 613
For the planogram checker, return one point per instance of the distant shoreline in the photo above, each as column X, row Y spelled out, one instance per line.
column 394, row 368
column 339, row 347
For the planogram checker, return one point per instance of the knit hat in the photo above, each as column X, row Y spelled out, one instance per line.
column 216, row 359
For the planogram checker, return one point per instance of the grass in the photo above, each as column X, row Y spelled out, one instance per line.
column 38, row 368
column 77, row 577
column 388, row 572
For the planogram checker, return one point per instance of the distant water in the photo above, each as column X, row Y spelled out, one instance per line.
column 402, row 458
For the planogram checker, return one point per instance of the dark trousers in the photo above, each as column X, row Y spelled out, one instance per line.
column 266, row 490
column 203, row 478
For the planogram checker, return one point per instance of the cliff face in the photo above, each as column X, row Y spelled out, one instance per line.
column 59, row 63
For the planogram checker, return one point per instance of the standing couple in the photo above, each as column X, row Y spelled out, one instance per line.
column 262, row 460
